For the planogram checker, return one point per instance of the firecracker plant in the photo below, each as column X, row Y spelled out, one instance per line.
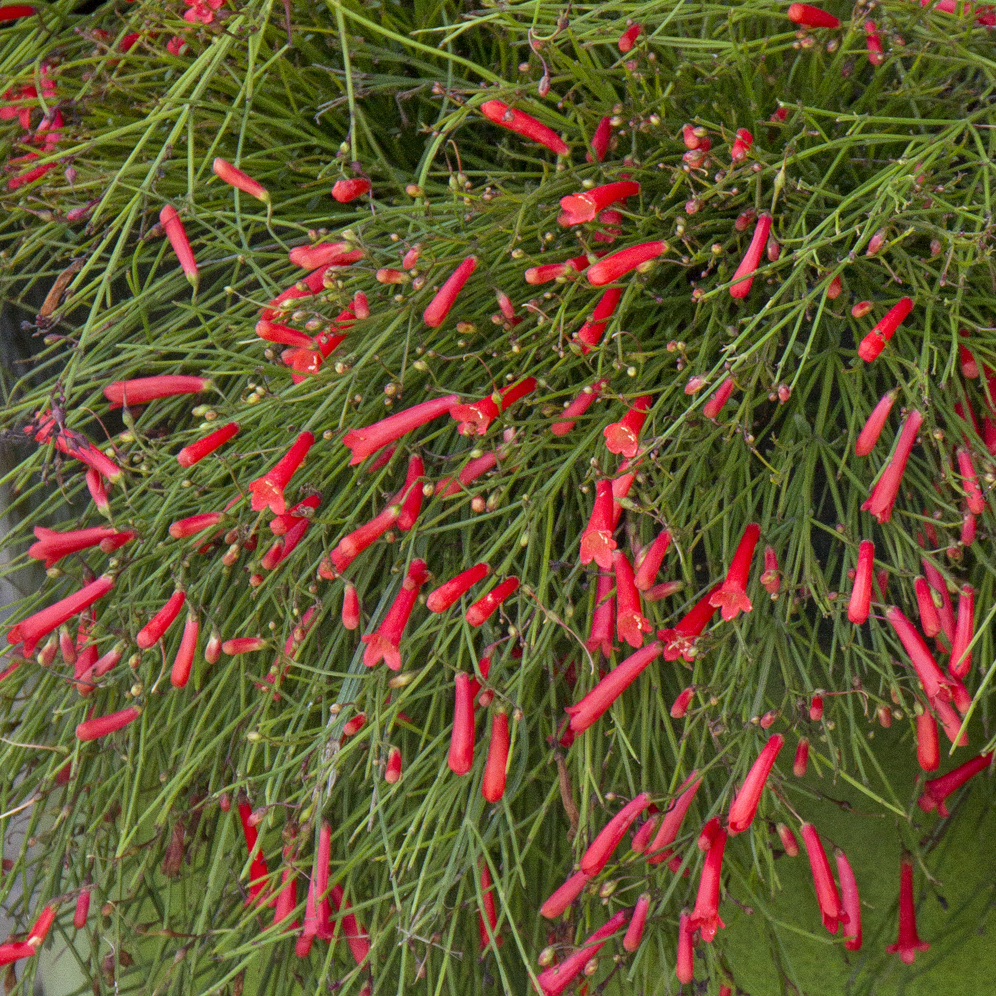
column 487, row 483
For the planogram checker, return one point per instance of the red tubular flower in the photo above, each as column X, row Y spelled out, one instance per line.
column 384, row 642
column 354, row 932
column 970, row 482
column 525, row 125
column 268, row 490
column 493, row 782
column 752, row 258
column 487, row 915
column 36, row 627
column 234, row 177
column 670, row 827
column 874, row 342
column 684, row 967
column 258, row 870
column 410, row 496
column 874, row 44
column 177, row 236
column 741, row 145
column 477, row 418
column 154, row 629
column 860, row 603
column 98, row 491
column 350, row 607
column 868, row 436
column 850, row 902
column 11, row 12
column 12, row 951
column 909, row 941
column 967, row 529
column 884, row 493
column 928, row 753
column 731, row 597
column 461, row 754
column 647, row 829
column 601, row 848
column 555, row 980
column 801, row 762
column 624, row 436
column 708, row 834
column 626, row 41
column 789, row 840
column 363, row 442
column 945, row 611
column 714, row 405
column 600, row 140
column 353, row 544
column 590, row 334
column 705, row 917
column 936, row 791
column 198, row 450
column 961, row 657
column 101, row 726
column 180, row 673
column 634, row 932
column 551, row 271
column 325, row 254
column 935, row 685
column 596, row 541
column 586, row 712
column 471, row 471
column 583, row 207
column 811, row 17
column 630, row 621
column 52, row 546
column 243, row 645
column 771, row 579
column 280, row 525
column 183, row 528
column 620, row 263
column 439, row 307
column 283, row 335
column 345, row 191
column 826, row 888
column 577, row 408
column 74, row 444
column 82, row 911
column 564, row 896
column 745, row 803
column 680, row 641
column 680, row 705
column 650, row 563
column 392, row 772
column 40, row 928
column 485, row 607
column 446, row 594
column 140, row 390
column 309, row 286
column 603, row 618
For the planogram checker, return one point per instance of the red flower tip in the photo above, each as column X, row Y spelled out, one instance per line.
column 243, row 645
column 586, row 712
column 101, row 726
column 485, row 607
column 36, row 627
column 744, row 806
column 850, row 902
column 525, row 125
column 741, row 145
column 556, row 979
column 714, row 405
column 183, row 662
column 385, row 641
column 586, row 206
column 752, row 258
column 564, row 896
column 446, row 594
column 177, row 236
column 860, row 603
column 684, row 967
column 198, row 450
column 705, row 917
column 577, row 408
column 650, row 563
column 154, row 629
column 596, row 541
column 476, row 419
column 345, row 191
column 811, row 17
column 630, row 622
column 937, row 790
column 826, row 888
column 364, row 442
column 612, row 267
column 874, row 342
column 868, row 436
column 908, row 943
column 439, row 307
column 52, row 546
column 789, row 840
column 234, row 177
column 731, row 597
column 628, row 38
column 602, row 847
column 600, row 140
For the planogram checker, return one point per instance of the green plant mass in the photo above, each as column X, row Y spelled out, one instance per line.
column 498, row 496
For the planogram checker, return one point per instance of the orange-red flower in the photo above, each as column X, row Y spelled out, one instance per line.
column 936, row 791
column 363, row 442
column 624, row 436
column 744, row 275
column 908, row 943
column 198, row 450
column 874, row 342
column 630, row 621
column 731, row 597
column 826, row 888
column 602, row 847
column 384, row 642
column 872, row 429
column 37, row 626
column 141, row 390
column 860, row 603
column 744, row 806
column 886, row 489
column 475, row 419
column 439, row 307
column 705, row 917
column 525, row 125
column 234, row 177
column 446, row 594
column 586, row 712
column 622, row 262
column 268, row 490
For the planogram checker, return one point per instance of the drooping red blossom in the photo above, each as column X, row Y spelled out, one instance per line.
column 354, row 543
column 234, row 177
column 603, row 618
column 908, row 943
column 40, row 928
column 752, row 258
column 258, row 870
column 183, row 528
column 363, row 442
column 525, row 125
column 801, row 762
column 928, row 753
column 811, row 17
column 141, row 390
column 731, row 597
column 624, row 436
column 552, row 271
column 493, row 781
column 461, row 754
column 439, row 307
column 101, row 726
column 37, row 626
column 874, row 44
column 283, row 335
column 596, row 541
column 586, row 712
column 936, row 790
column 325, row 254
column 564, row 896
column 556, row 979
column 708, row 834
column 475, row 419
column 826, row 888
column 198, row 450
column 580, row 208
column 446, row 594
column 52, row 546
column 243, row 645
column 741, row 145
column 74, row 444
column 680, row 640
column 705, row 917
column 11, row 12
column 961, row 657
column 850, row 901
column 634, row 932
column 345, row 191
column 182, row 663
column 600, row 140
column 650, row 563
column 714, row 405
column 935, row 684
column 630, row 621
column 872, row 429
column 590, row 334
column 177, row 236
column 602, row 847
column 82, row 911
column 874, row 342
column 745, row 803
column 670, row 826
column 611, row 268
column 485, row 607
column 680, row 705
column 154, row 629
column 11, row 951
column 771, row 579
column 268, row 490
column 789, row 840
column 384, row 642
column 577, row 408
column 487, row 914
column 684, row 968
column 392, row 773
column 860, row 604
column 945, row 610
column 886, row 489
column 970, row 482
